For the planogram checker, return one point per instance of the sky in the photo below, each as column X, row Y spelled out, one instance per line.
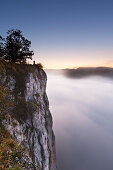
column 64, row 33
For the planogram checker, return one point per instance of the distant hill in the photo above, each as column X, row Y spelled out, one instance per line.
column 89, row 71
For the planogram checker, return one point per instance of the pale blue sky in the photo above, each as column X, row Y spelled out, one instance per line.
column 64, row 33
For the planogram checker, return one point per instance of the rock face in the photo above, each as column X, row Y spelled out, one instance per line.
column 28, row 119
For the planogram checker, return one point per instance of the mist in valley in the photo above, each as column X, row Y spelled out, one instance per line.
column 83, row 120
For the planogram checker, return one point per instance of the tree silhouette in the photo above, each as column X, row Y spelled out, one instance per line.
column 17, row 47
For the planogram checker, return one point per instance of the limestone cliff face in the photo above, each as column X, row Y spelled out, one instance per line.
column 28, row 118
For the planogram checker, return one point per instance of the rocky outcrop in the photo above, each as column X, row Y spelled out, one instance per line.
column 28, row 118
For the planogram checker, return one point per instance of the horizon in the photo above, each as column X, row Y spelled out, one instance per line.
column 77, row 68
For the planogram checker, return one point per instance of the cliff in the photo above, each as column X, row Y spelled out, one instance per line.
column 26, row 114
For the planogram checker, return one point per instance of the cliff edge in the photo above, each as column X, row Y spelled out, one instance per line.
column 25, row 112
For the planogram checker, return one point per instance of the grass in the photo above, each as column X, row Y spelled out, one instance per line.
column 9, row 150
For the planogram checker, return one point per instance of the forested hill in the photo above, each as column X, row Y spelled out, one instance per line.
column 89, row 71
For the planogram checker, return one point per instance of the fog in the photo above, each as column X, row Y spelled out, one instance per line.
column 82, row 111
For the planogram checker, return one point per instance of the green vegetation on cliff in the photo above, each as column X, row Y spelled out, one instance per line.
column 10, row 151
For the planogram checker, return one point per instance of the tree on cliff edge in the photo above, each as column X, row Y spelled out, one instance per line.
column 17, row 47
